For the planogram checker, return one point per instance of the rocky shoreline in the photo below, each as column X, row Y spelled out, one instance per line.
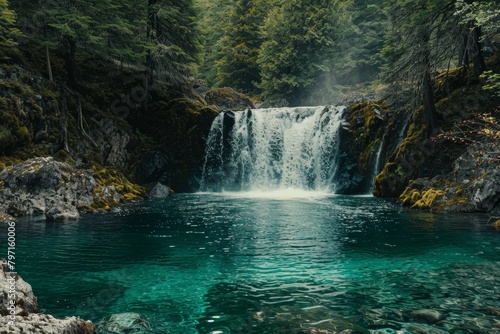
column 26, row 317
column 44, row 186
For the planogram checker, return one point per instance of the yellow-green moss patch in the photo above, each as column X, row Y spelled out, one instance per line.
column 109, row 182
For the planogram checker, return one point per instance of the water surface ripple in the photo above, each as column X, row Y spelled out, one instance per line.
column 246, row 263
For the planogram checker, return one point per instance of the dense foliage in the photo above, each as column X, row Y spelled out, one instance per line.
column 299, row 50
column 7, row 27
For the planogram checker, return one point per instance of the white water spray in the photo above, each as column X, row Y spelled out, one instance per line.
column 273, row 149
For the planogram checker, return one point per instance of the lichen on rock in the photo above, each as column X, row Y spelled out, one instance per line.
column 61, row 191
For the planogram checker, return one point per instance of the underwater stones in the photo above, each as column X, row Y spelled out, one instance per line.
column 423, row 329
column 132, row 323
column 427, row 315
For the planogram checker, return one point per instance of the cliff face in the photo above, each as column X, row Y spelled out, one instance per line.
column 456, row 169
column 109, row 120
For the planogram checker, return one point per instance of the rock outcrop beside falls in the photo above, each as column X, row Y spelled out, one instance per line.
column 26, row 317
column 58, row 190
column 454, row 167
column 471, row 187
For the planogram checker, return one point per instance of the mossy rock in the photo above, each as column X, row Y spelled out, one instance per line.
column 405, row 164
column 113, row 187
column 496, row 225
column 367, row 124
column 228, row 98
column 437, row 195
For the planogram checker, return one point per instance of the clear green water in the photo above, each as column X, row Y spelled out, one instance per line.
column 205, row 263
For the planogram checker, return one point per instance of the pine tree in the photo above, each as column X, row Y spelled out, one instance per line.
column 415, row 47
column 215, row 21
column 173, row 34
column 7, row 28
column 237, row 66
column 426, row 35
column 299, row 47
column 361, row 59
column 102, row 27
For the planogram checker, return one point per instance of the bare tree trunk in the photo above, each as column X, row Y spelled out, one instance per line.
column 463, row 55
column 63, row 121
column 70, row 61
column 428, row 93
column 80, row 123
column 49, row 66
column 429, row 107
column 479, row 63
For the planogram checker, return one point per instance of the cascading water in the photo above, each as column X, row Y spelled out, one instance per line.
column 272, row 149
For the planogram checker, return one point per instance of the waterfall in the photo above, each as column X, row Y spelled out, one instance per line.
column 376, row 168
column 272, row 149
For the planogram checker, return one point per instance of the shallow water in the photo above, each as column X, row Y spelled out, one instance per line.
column 267, row 263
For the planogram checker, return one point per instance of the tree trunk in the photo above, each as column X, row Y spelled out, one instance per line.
column 428, row 94
column 71, row 61
column 49, row 66
column 479, row 63
column 152, row 31
column 429, row 107
column 63, row 121
column 463, row 56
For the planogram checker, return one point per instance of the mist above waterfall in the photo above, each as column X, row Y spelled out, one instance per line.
column 273, row 149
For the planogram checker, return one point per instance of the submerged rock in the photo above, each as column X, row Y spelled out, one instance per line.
column 427, row 315
column 124, row 323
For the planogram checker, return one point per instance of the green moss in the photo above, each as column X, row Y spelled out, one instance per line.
column 23, row 134
column 441, row 196
column 6, row 138
column 427, row 199
column 366, row 124
column 112, row 177
column 368, row 153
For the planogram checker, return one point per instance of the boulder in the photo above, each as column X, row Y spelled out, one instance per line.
column 25, row 317
column 47, row 324
column 228, row 99
column 42, row 184
column 471, row 187
column 124, row 323
column 26, row 302
column 159, row 191
column 427, row 315
column 62, row 211
column 60, row 191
